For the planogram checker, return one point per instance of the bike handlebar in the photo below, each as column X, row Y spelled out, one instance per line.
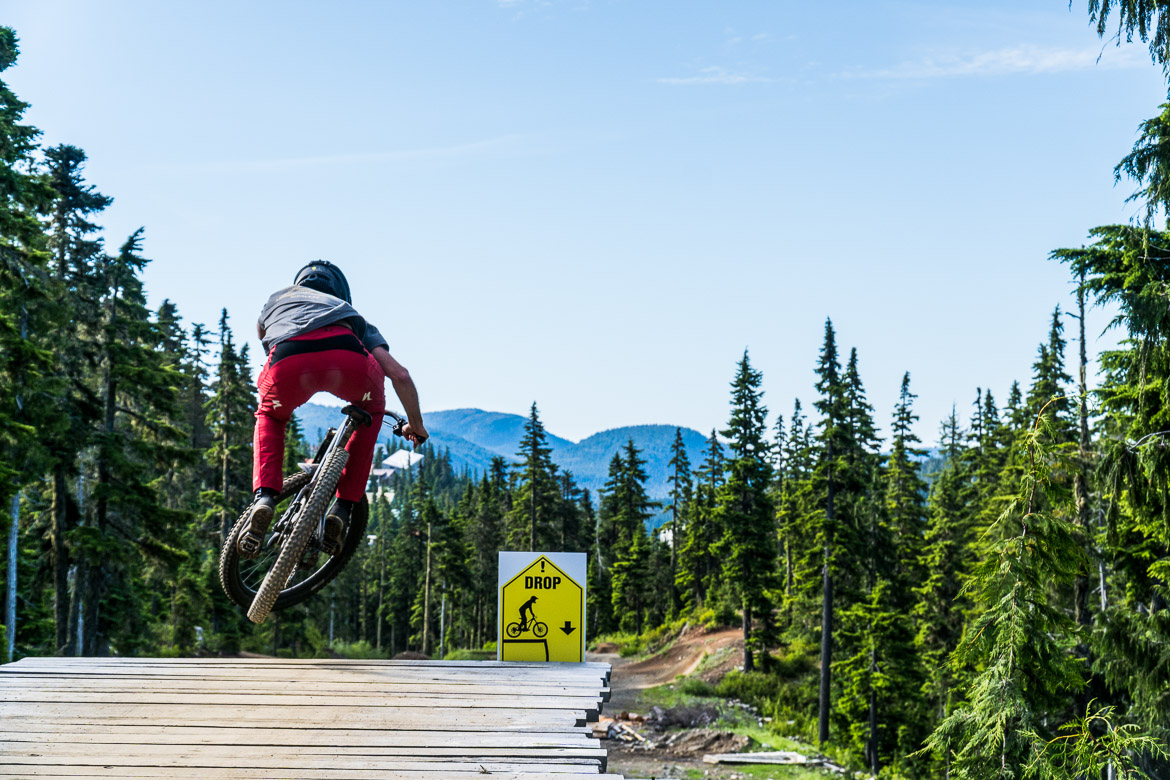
column 399, row 423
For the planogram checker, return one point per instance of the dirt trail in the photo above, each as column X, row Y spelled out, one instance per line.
column 631, row 677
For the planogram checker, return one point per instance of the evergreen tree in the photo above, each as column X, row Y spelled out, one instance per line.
column 80, row 260
column 697, row 566
column 746, row 515
column 1050, row 382
column 945, row 559
column 681, row 490
column 230, row 418
column 1130, row 268
column 29, row 319
column 905, row 490
column 835, row 444
column 625, row 509
column 797, row 463
column 532, row 521
column 1021, row 642
column 137, row 441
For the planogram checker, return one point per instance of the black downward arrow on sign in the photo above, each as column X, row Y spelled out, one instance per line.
column 568, row 628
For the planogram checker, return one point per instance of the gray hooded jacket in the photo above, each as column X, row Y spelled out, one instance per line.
column 295, row 311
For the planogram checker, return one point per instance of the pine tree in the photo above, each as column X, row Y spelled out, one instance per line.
column 79, row 258
column 532, row 520
column 792, row 506
column 835, row 443
column 1130, row 268
column 697, row 566
column 746, row 515
column 681, row 490
column 29, row 317
column 626, row 548
column 945, row 559
column 1050, row 382
column 1021, row 642
column 905, row 490
column 137, row 440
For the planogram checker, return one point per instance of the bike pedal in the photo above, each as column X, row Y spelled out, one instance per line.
column 251, row 540
column 249, row 545
column 334, row 535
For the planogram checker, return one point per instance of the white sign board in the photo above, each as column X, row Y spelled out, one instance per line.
column 541, row 607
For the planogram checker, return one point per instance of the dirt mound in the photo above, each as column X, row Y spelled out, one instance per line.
column 687, row 717
column 410, row 655
column 695, row 743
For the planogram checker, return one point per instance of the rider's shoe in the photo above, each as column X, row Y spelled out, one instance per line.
column 335, row 523
column 251, row 539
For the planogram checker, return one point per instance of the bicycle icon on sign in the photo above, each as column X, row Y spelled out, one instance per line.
column 527, row 623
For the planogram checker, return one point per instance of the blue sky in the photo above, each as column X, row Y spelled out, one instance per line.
column 600, row 205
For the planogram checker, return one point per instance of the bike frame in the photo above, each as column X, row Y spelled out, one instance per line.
column 333, row 440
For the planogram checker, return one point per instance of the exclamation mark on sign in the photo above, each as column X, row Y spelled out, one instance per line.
column 542, row 566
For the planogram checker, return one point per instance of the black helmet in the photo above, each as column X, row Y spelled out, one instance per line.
column 325, row 277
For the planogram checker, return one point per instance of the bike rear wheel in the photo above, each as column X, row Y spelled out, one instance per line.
column 241, row 577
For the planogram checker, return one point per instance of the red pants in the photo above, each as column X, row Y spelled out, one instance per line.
column 291, row 381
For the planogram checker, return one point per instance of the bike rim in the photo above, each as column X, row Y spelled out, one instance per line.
column 253, row 571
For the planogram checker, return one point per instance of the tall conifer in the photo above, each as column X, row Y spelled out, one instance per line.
column 746, row 514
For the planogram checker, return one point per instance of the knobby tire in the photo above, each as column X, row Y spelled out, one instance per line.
column 293, row 546
column 231, row 577
column 229, row 557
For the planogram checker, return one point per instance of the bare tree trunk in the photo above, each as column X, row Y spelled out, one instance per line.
column 10, row 595
column 381, row 588
column 826, row 649
column 823, row 702
column 426, row 627
column 60, row 512
column 79, row 572
column 749, row 661
column 874, row 766
column 532, row 524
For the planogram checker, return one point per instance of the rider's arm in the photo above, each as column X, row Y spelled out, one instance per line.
column 406, row 392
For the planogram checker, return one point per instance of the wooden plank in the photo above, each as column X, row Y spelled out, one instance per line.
column 60, row 748
column 353, row 687
column 26, row 730
column 76, row 770
column 305, row 675
column 282, row 718
column 295, row 699
column 479, row 668
column 286, row 759
column 218, row 715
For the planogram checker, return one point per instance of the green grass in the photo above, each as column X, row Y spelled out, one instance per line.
column 761, row 772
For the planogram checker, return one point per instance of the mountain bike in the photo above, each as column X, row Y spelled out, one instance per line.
column 537, row 628
column 290, row 566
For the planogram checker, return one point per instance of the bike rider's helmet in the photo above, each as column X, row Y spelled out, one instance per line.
column 324, row 276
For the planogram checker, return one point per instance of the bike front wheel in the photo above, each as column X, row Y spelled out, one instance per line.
column 293, row 543
column 540, row 629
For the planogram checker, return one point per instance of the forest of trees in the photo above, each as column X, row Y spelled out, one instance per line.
column 1006, row 614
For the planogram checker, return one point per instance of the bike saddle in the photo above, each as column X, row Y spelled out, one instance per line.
column 359, row 416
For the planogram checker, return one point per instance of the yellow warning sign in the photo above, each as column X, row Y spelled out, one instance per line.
column 542, row 608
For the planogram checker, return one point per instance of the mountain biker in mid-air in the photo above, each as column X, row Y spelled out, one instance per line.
column 317, row 342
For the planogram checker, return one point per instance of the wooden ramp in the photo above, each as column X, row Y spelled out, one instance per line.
column 278, row 718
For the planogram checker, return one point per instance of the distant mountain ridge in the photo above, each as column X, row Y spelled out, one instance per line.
column 473, row 437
